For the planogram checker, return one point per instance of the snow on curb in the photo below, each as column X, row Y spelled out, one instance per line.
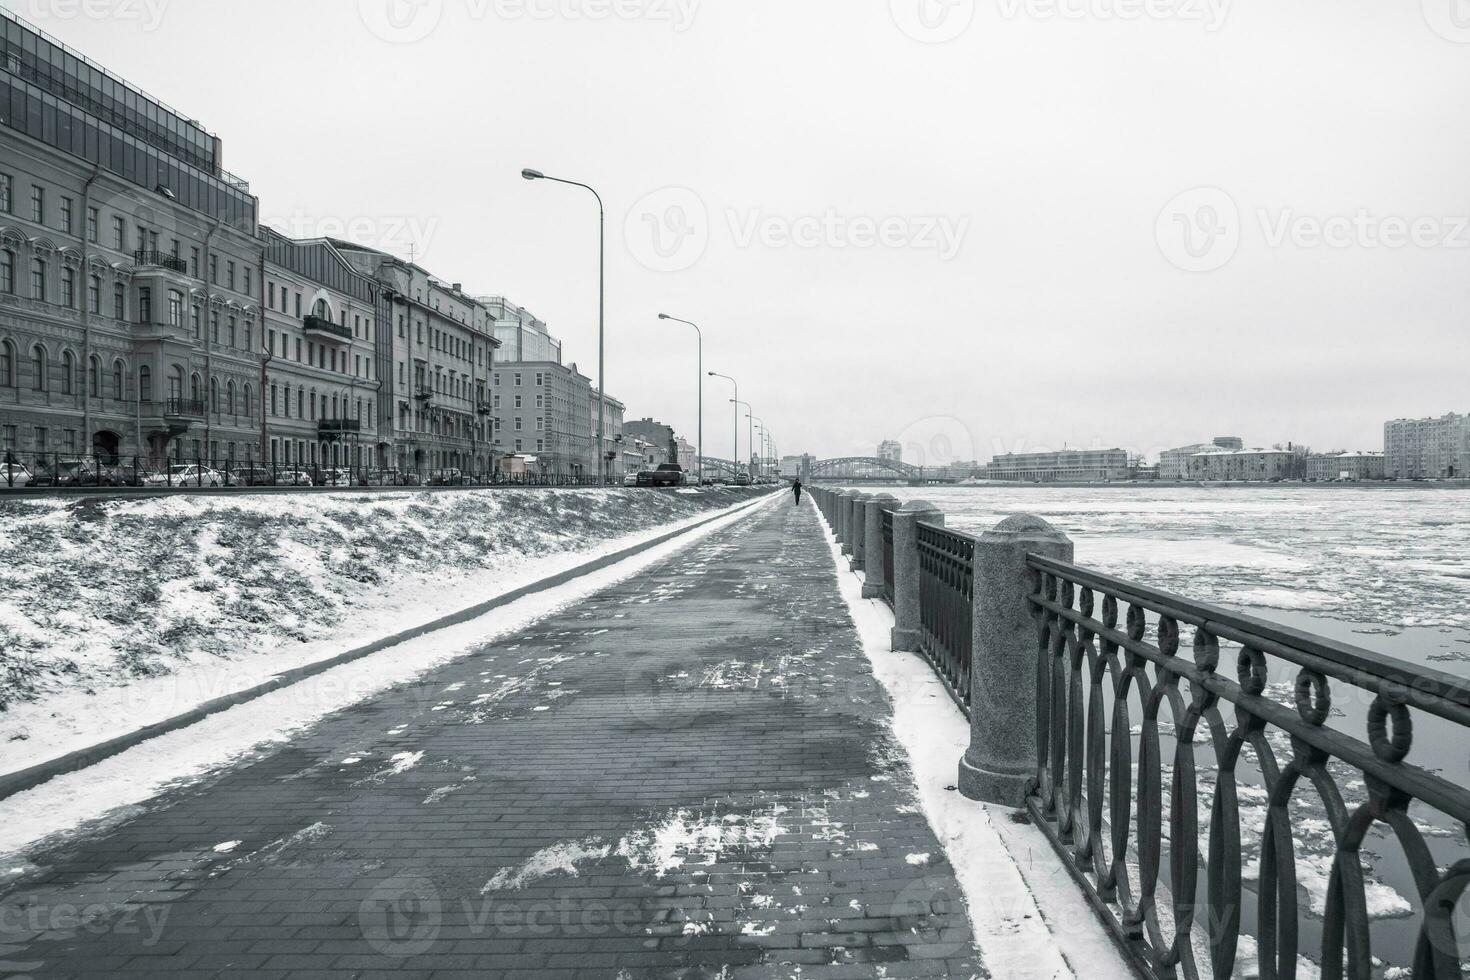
column 109, row 791
column 1031, row 921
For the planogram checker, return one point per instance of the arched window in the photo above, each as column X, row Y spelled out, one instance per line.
column 68, row 369
column 288, row 402
column 248, row 331
column 230, row 398
column 214, row 395
column 321, row 309
column 194, row 393
column 176, row 382
column 145, row 384
column 94, row 377
column 247, row 401
column 7, row 364
column 38, row 368
column 117, row 379
column 7, row 271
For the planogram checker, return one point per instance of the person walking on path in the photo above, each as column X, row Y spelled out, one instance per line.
column 796, row 489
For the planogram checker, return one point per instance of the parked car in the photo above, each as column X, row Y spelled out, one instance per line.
column 293, row 478
column 253, row 476
column 336, row 478
column 383, row 478
column 630, row 479
column 58, row 473
column 449, row 478
column 743, row 480
column 186, row 475
column 667, row 475
column 110, row 476
column 13, row 476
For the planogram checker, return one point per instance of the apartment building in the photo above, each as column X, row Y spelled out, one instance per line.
column 1174, row 463
column 1427, row 449
column 435, row 356
column 1248, row 465
column 129, row 268
column 1080, row 465
column 1352, row 467
column 320, row 374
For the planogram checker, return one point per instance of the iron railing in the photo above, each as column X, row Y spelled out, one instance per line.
column 946, row 597
column 1315, row 756
column 162, row 260
column 320, row 324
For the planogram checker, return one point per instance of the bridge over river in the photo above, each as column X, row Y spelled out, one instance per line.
column 828, row 740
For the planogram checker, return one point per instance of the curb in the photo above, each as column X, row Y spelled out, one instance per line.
column 25, row 779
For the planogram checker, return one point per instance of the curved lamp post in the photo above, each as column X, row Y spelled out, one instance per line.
column 735, row 455
column 699, row 459
column 601, row 315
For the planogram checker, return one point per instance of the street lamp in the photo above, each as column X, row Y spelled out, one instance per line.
column 699, row 459
column 735, row 454
column 750, row 421
column 530, row 174
column 760, row 454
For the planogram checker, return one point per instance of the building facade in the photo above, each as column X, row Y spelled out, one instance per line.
column 1427, row 449
column 544, row 409
column 890, row 451
column 1087, row 465
column 320, row 374
column 661, row 437
column 1354, row 467
column 1174, row 463
column 1248, row 465
column 522, row 337
column 435, row 357
column 129, row 269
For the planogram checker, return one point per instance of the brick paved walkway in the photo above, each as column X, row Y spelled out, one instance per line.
column 690, row 774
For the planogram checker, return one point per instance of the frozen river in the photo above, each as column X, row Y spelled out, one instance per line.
column 1387, row 569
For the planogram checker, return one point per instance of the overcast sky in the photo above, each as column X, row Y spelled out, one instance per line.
column 972, row 226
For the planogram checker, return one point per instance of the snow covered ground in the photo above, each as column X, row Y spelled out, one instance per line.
column 118, row 613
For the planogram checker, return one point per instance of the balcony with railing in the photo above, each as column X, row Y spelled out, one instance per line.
column 149, row 258
column 335, row 428
column 323, row 327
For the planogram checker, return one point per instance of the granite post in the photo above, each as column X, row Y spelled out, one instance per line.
column 874, row 582
column 907, row 628
column 1000, row 765
column 859, row 528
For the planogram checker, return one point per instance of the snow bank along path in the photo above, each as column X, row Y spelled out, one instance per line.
column 1031, row 921
column 312, row 678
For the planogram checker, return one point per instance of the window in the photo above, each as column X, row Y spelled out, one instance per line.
column 117, row 380
column 68, row 370
column 248, row 327
column 119, row 302
column 230, row 398
column 66, row 215
column 38, row 204
column 195, row 320
column 175, row 308
column 247, row 279
column 69, row 288
column 270, row 291
column 94, row 378
column 7, row 271
column 119, row 234
column 93, row 220
column 230, row 274
column 40, row 438
column 145, row 384
column 214, row 269
column 247, row 401
column 298, row 306
column 517, row 380
column 194, row 261
column 145, row 304
column 231, row 335
column 38, row 279
column 38, row 368
column 214, row 327
column 7, row 364
column 214, row 395
column 6, row 204
column 94, row 295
